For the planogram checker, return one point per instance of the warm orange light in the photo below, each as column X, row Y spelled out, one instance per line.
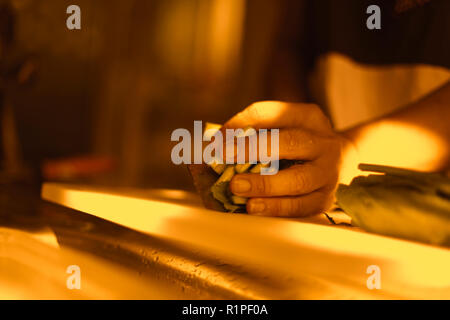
column 32, row 267
column 336, row 258
column 422, row 267
column 226, row 24
column 395, row 144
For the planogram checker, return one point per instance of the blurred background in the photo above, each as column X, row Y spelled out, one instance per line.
column 99, row 104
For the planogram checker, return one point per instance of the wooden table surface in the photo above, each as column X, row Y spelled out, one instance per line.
column 132, row 250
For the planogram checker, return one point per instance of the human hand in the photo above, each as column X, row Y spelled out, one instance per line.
column 305, row 134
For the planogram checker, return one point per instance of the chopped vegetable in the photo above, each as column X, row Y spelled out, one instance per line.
column 220, row 189
column 219, row 168
column 400, row 203
column 257, row 168
column 242, row 168
column 239, row 200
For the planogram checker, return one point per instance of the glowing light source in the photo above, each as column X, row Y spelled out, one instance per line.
column 395, row 144
column 423, row 149
column 334, row 256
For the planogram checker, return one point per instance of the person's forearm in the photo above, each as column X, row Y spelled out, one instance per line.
column 415, row 137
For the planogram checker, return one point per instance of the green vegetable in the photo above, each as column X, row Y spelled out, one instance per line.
column 219, row 168
column 257, row 168
column 210, row 130
column 242, row 168
column 220, row 190
column 400, row 203
column 239, row 200
column 227, row 175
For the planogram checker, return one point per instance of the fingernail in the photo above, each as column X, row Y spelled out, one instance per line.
column 257, row 207
column 240, row 185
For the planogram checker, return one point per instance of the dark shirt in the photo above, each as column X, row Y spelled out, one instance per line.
column 412, row 31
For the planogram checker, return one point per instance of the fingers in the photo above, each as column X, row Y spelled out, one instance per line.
column 296, row 180
column 301, row 144
column 275, row 114
column 305, row 133
column 293, row 144
column 300, row 206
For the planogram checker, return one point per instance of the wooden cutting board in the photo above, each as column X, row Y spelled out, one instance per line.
column 336, row 257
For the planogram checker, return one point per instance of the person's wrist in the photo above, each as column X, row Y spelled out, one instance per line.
column 350, row 159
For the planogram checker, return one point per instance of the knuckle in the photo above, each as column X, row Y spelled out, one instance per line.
column 337, row 150
column 334, row 178
column 262, row 185
column 291, row 141
column 318, row 116
column 254, row 110
column 298, row 182
column 317, row 111
column 332, row 146
column 325, row 203
column 249, row 112
column 310, row 108
column 276, row 207
column 293, row 207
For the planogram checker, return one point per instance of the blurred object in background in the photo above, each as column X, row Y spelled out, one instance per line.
column 76, row 169
column 171, row 62
column 53, row 115
column 16, row 72
column 136, row 70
